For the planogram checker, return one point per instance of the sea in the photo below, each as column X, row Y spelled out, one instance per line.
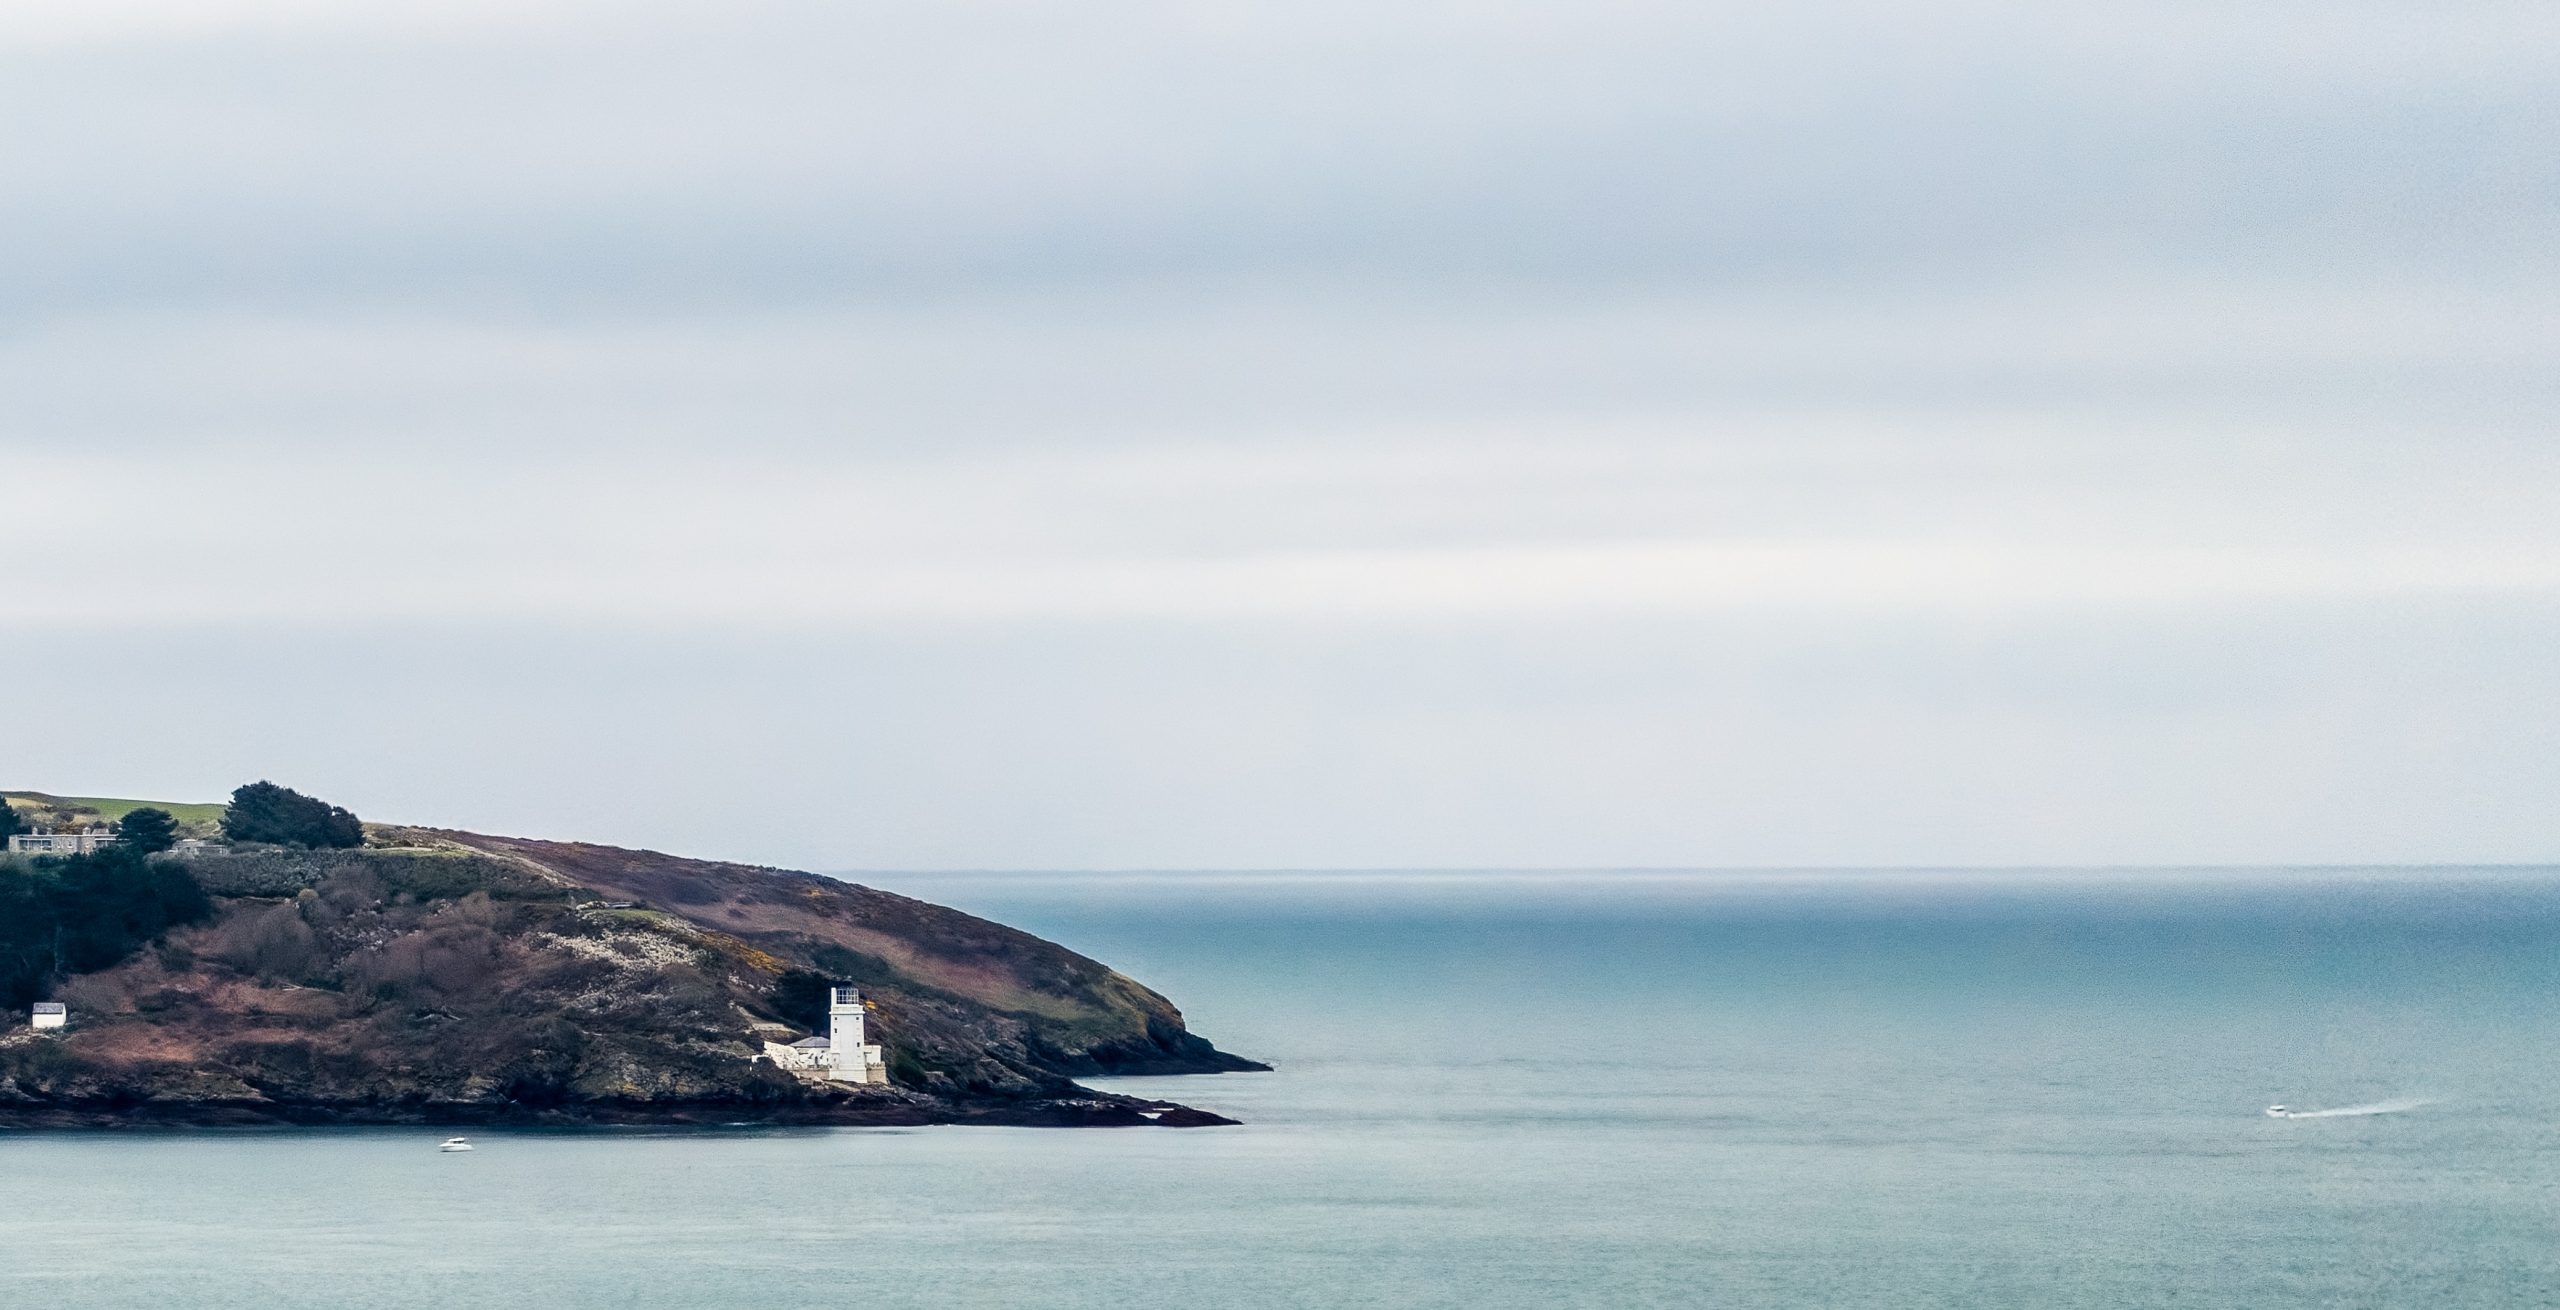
column 1890, row 1088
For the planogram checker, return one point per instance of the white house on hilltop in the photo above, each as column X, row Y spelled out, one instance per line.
column 48, row 1014
column 839, row 1057
column 60, row 843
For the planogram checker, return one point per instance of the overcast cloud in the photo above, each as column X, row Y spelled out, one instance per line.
column 989, row 434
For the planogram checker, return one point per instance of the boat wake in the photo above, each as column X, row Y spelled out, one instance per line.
column 2352, row 1111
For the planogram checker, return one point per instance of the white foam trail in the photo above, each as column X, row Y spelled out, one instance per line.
column 2372, row 1107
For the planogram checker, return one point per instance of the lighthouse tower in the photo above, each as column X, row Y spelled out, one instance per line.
column 855, row 1061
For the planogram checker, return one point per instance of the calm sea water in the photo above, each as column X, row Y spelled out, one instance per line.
column 1786, row 1090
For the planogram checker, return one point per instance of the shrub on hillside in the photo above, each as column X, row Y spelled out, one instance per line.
column 802, row 997
column 10, row 824
column 273, row 943
column 452, row 956
column 265, row 812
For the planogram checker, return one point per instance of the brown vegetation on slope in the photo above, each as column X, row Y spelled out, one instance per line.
column 461, row 977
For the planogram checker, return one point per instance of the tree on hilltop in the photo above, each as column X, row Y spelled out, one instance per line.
column 265, row 812
column 10, row 824
column 147, row 830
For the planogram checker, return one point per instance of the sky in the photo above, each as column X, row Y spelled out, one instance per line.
column 1313, row 434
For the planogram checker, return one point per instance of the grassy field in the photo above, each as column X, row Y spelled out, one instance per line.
column 108, row 809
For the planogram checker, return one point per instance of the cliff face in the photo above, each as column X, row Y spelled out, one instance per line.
column 452, row 977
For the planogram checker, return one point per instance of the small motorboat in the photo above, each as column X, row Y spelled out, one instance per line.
column 452, row 1144
column 2273, row 1112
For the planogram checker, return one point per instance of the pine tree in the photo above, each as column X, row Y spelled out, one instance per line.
column 148, row 831
column 265, row 812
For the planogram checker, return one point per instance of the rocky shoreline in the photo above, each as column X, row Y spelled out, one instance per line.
column 908, row 1111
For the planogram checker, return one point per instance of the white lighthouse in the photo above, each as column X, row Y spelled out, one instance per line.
column 855, row 1062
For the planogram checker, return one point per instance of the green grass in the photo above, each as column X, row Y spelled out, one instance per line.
column 109, row 809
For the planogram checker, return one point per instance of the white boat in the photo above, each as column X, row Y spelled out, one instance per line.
column 2273, row 1112
column 455, row 1144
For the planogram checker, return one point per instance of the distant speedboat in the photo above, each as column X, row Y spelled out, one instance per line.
column 455, row 1144
column 2273, row 1112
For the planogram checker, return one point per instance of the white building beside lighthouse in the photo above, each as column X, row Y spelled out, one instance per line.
column 842, row 1056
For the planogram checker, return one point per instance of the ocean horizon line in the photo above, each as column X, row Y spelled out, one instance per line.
column 1670, row 871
